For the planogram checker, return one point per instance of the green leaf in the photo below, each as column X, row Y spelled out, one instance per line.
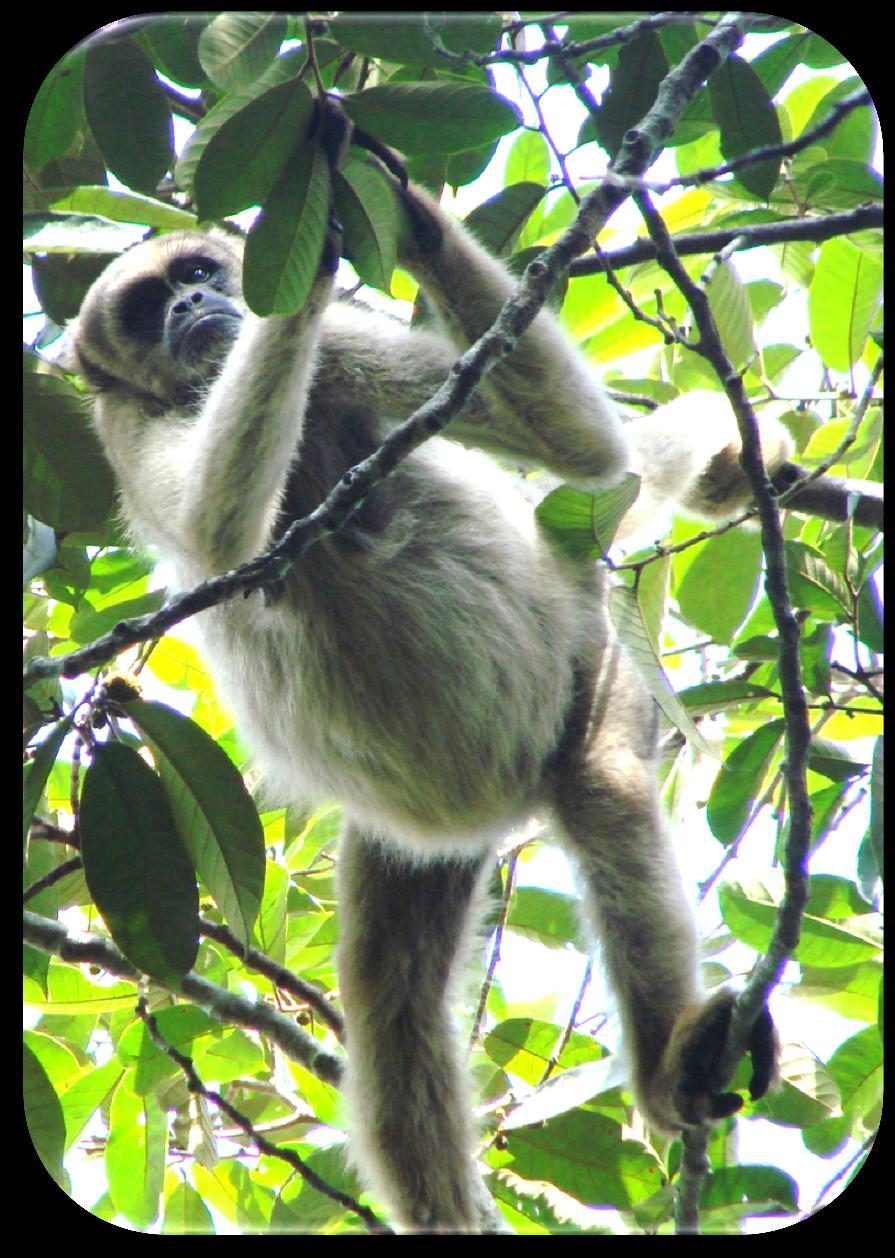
column 172, row 43
column 807, row 1093
column 180, row 1026
column 85, row 1096
column 214, row 813
column 833, row 761
column 718, row 696
column 43, row 1114
column 408, row 42
column 128, row 114
column 851, row 991
column 437, row 117
column 135, row 864
column 842, row 302
column 285, row 243
column 35, row 774
column 857, row 1068
column 739, row 781
column 53, row 118
column 584, row 1154
column 186, row 1214
column 123, row 207
column 498, row 221
column 750, row 1190
column 244, row 157
column 236, row 47
column 718, row 588
column 67, row 482
column 549, row 917
column 365, row 206
column 633, row 84
column 630, row 625
column 813, row 584
column 135, row 1155
column 751, row 913
column 584, row 524
column 732, row 311
column 748, row 120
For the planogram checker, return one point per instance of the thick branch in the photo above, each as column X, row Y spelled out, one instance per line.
column 787, row 231
column 831, row 497
column 82, row 948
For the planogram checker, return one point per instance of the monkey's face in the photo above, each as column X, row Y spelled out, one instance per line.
column 161, row 319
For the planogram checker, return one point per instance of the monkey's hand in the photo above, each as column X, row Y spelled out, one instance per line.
column 333, row 128
column 688, row 1089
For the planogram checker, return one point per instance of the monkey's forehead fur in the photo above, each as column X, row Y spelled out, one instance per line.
column 153, row 257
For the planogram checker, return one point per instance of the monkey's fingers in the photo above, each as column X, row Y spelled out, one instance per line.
column 763, row 1049
column 391, row 161
column 333, row 127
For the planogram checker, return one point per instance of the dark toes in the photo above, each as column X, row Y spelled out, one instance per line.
column 763, row 1049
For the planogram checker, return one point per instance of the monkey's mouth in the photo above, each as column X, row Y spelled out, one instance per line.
column 209, row 335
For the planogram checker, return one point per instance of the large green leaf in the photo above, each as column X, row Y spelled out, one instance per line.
column 66, row 481
column 739, row 780
column 365, row 206
column 719, row 586
column 135, row 1154
column 633, row 84
column 748, row 120
column 214, row 812
column 128, row 114
column 842, row 302
column 437, row 117
column 242, row 160
column 43, row 1114
column 285, row 243
column 136, row 866
column 236, row 47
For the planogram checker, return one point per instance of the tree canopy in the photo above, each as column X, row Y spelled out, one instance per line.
column 701, row 202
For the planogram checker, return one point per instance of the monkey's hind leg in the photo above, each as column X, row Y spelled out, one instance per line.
column 403, row 930
column 608, row 805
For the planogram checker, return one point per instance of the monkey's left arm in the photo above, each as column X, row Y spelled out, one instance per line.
column 541, row 404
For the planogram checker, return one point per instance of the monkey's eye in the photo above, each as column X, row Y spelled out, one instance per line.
column 193, row 270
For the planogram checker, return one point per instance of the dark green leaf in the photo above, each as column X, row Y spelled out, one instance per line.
column 498, row 221
column 236, row 47
column 739, row 781
column 439, row 117
column 243, row 159
column 128, row 114
column 285, row 243
column 214, row 812
column 54, row 116
column 366, row 207
column 748, row 120
column 67, row 482
column 633, row 84
column 136, row 866
column 172, row 45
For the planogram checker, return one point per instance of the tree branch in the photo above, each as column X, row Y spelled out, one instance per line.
column 82, row 948
column 787, row 231
column 798, row 733
column 198, row 1088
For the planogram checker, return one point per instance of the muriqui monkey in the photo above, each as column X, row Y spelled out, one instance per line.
column 437, row 666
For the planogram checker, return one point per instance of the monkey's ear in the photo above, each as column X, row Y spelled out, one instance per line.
column 67, row 356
